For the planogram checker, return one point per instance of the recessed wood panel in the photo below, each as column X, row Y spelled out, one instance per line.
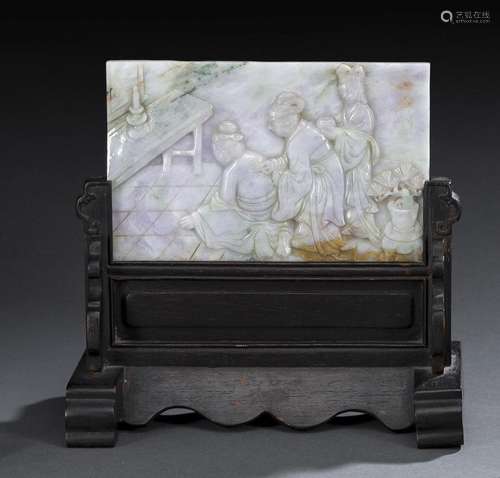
column 249, row 312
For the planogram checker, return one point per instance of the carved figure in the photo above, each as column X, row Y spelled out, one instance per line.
column 238, row 216
column 308, row 175
column 357, row 150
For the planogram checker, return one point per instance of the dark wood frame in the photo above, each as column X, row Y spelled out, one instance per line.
column 387, row 352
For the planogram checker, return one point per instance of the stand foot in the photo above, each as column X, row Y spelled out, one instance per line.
column 438, row 407
column 93, row 403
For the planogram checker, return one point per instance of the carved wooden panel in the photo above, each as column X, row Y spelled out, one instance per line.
column 252, row 312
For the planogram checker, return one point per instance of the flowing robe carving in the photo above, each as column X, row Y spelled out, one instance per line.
column 237, row 217
column 358, row 150
column 310, row 186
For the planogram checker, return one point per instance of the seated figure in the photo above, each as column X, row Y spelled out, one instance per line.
column 238, row 216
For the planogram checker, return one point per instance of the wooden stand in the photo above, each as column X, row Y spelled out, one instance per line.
column 301, row 341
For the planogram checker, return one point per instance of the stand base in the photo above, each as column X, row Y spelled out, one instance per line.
column 297, row 396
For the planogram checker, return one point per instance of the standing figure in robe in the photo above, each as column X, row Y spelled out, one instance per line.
column 308, row 175
column 358, row 151
column 237, row 217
